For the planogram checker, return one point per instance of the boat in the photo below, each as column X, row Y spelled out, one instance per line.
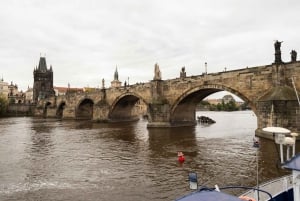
column 286, row 188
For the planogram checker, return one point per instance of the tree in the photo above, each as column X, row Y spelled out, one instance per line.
column 231, row 106
column 3, row 105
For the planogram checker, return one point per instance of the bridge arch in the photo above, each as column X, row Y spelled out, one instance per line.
column 183, row 109
column 84, row 109
column 60, row 109
column 127, row 107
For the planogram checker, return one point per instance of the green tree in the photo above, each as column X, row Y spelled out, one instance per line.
column 220, row 107
column 3, row 105
column 245, row 106
column 231, row 106
column 203, row 105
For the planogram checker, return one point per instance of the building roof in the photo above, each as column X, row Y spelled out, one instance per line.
column 116, row 75
column 61, row 89
column 65, row 89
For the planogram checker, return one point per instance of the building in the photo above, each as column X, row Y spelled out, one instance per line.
column 14, row 95
column 43, row 81
column 4, row 88
column 29, row 95
column 228, row 98
column 61, row 91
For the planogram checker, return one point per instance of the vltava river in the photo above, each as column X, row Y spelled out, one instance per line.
column 44, row 159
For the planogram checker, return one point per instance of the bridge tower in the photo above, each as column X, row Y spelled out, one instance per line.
column 116, row 82
column 43, row 81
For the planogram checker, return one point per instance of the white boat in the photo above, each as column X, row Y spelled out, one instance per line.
column 285, row 188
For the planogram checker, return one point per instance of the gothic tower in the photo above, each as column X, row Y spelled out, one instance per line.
column 43, row 81
column 116, row 83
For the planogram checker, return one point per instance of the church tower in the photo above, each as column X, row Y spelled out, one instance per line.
column 43, row 81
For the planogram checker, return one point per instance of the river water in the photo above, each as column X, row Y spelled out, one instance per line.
column 46, row 159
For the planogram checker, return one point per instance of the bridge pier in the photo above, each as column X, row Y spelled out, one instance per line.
column 159, row 109
column 101, row 111
column 162, row 116
column 51, row 112
column 278, row 107
column 68, row 112
column 159, row 115
column 39, row 111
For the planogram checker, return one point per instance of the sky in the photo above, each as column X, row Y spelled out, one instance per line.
column 85, row 40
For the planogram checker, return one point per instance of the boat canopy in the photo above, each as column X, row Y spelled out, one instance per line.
column 293, row 164
column 208, row 195
column 276, row 130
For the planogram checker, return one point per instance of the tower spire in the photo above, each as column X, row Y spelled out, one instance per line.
column 42, row 64
column 116, row 75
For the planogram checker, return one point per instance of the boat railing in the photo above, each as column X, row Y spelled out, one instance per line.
column 273, row 187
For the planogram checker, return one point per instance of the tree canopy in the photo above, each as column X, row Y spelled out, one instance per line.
column 3, row 105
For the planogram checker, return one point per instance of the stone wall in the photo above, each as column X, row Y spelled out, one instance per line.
column 21, row 110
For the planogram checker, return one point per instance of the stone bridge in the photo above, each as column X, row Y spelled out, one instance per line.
column 268, row 90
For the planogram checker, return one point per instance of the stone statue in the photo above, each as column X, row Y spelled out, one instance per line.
column 103, row 84
column 182, row 73
column 157, row 74
column 293, row 56
column 277, row 46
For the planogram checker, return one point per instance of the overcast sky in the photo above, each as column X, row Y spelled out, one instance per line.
column 84, row 40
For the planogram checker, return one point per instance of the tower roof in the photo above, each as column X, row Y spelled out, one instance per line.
column 116, row 75
column 42, row 64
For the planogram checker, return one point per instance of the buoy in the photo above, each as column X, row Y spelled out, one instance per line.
column 180, row 157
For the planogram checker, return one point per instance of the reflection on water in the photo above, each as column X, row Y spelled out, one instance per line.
column 45, row 159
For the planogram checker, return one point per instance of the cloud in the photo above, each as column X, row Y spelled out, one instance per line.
column 85, row 40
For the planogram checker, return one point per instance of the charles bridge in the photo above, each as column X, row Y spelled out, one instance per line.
column 270, row 91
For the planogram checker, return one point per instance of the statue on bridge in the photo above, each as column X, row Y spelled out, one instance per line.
column 293, row 56
column 157, row 74
column 182, row 73
column 277, row 46
column 103, row 83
